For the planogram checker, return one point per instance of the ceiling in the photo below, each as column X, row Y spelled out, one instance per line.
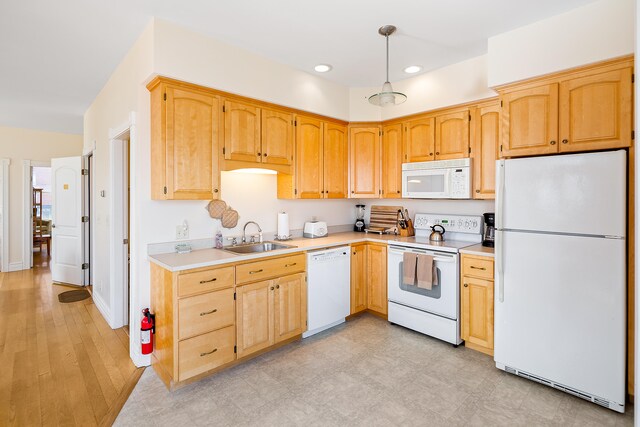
column 56, row 56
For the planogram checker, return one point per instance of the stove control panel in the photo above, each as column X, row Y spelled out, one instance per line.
column 456, row 223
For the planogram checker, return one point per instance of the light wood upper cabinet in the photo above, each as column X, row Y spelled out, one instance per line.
column 419, row 140
column 476, row 302
column 581, row 110
column 290, row 306
column 358, row 278
column 392, row 159
column 377, row 279
column 596, row 111
column 530, row 121
column 184, row 144
column 336, row 161
column 241, row 132
column 277, row 137
column 452, row 136
column 309, row 158
column 255, row 317
column 485, row 142
column 364, row 162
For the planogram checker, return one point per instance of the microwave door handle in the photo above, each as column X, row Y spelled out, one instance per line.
column 440, row 259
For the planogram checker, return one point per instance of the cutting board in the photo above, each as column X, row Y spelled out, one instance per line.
column 384, row 217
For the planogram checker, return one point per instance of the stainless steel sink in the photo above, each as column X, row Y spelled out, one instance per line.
column 251, row 248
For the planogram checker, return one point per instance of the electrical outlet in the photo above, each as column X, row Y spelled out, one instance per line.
column 182, row 231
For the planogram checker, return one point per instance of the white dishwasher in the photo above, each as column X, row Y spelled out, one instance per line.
column 328, row 288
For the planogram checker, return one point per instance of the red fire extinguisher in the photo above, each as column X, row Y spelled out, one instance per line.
column 146, row 331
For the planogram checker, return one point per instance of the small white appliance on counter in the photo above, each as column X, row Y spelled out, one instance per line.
column 329, row 288
column 315, row 229
column 434, row 312
column 560, row 300
column 440, row 179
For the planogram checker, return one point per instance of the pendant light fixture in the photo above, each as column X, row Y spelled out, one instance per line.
column 387, row 96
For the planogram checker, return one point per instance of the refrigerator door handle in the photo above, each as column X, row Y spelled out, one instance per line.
column 500, row 264
column 500, row 193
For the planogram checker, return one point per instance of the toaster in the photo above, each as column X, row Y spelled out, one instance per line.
column 315, row 229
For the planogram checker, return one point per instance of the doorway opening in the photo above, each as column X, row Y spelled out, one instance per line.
column 41, row 215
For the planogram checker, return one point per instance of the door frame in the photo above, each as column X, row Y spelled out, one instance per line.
column 122, row 300
column 88, row 229
column 4, row 217
column 27, row 203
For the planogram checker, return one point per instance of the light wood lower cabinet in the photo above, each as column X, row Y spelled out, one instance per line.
column 254, row 317
column 195, row 322
column 270, row 311
column 369, row 278
column 476, row 302
column 358, row 278
column 207, row 318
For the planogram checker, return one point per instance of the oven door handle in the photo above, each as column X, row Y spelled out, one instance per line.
column 435, row 257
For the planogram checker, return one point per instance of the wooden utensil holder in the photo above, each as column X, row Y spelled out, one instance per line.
column 409, row 231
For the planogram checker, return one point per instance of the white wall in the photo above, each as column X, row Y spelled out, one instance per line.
column 597, row 31
column 17, row 145
column 196, row 58
column 454, row 84
column 124, row 93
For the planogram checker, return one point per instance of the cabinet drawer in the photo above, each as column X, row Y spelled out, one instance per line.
column 204, row 281
column 204, row 313
column 276, row 267
column 477, row 267
column 208, row 351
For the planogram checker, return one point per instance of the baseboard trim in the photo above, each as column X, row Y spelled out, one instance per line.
column 16, row 266
column 102, row 308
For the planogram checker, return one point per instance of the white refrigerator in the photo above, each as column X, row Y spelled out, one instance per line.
column 560, row 300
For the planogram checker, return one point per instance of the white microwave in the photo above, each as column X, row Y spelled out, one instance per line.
column 440, row 179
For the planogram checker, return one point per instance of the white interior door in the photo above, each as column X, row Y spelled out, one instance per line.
column 66, row 212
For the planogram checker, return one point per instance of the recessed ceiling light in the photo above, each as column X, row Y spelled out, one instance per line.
column 412, row 69
column 323, row 68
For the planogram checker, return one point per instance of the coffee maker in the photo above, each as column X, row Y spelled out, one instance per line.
column 489, row 229
column 359, row 225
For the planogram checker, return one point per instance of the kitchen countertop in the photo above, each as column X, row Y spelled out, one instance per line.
column 478, row 250
column 212, row 257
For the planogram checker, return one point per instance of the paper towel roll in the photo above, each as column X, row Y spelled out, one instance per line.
column 283, row 225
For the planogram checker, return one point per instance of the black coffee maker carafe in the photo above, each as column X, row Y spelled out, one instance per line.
column 489, row 229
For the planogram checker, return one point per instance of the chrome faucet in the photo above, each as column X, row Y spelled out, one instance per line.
column 244, row 232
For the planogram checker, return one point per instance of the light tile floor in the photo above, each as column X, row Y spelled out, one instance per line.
column 365, row 372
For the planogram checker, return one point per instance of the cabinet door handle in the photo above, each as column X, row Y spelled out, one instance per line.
column 437, row 153
column 477, row 191
column 552, row 143
column 466, row 285
column 291, row 265
column 565, row 141
column 272, row 288
column 208, row 352
column 215, row 190
column 277, row 286
column 204, row 313
column 256, row 271
column 264, row 154
column 431, row 154
column 259, row 154
column 478, row 268
column 202, row 282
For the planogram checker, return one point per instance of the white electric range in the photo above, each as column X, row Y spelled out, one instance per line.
column 434, row 312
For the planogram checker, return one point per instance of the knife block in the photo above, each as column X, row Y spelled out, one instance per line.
column 409, row 231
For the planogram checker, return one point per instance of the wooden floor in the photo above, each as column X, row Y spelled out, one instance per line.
column 60, row 364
